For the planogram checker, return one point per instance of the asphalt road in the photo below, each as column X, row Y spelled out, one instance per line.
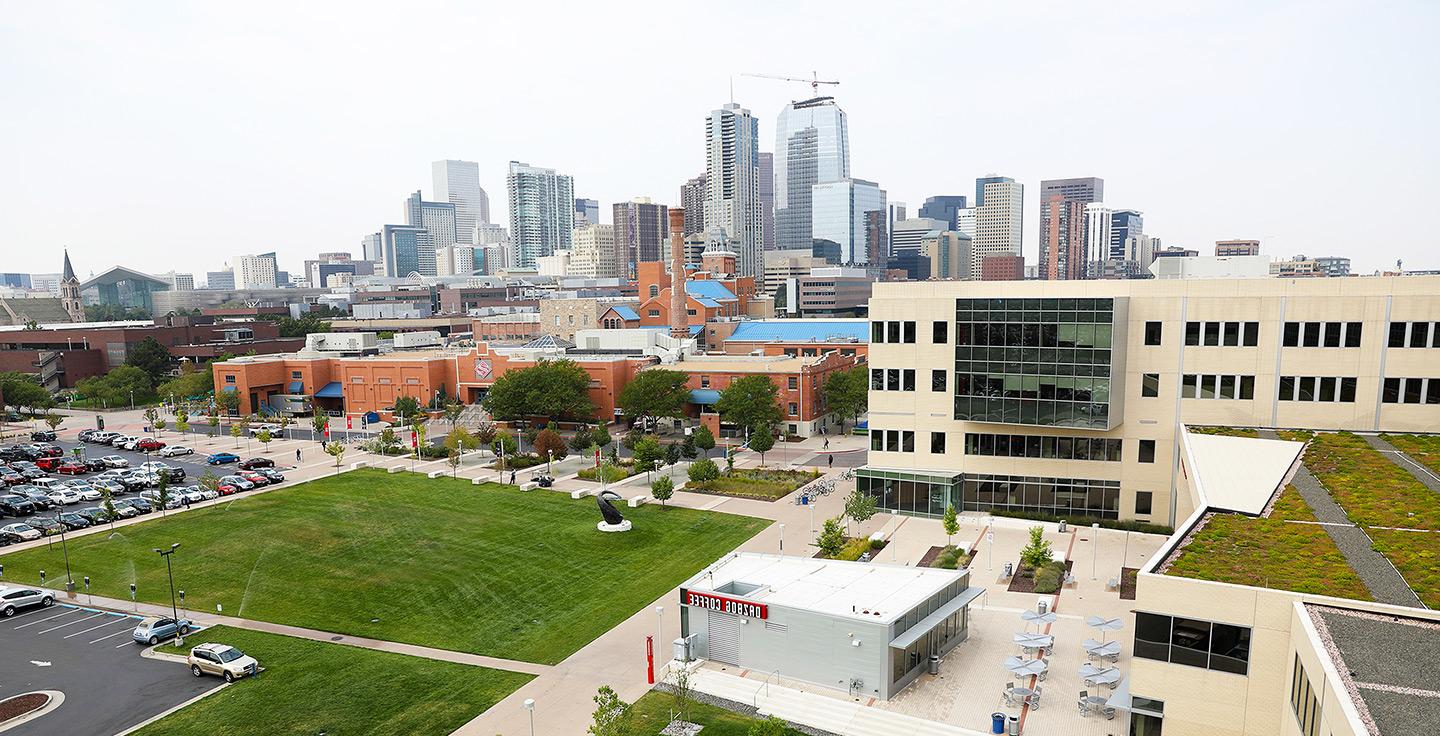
column 88, row 655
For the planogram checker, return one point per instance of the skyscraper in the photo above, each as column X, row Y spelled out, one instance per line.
column 587, row 212
column 439, row 218
column 692, row 200
column 906, row 237
column 458, row 182
column 1062, row 225
column 943, row 207
column 641, row 233
column 732, row 186
column 812, row 146
column 999, row 218
column 542, row 212
column 767, row 198
column 593, row 252
column 405, row 250
column 1124, row 224
column 839, row 212
column 254, row 272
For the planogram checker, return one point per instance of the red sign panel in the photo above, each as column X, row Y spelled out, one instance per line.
column 723, row 604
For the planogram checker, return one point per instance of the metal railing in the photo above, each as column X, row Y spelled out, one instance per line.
column 765, row 686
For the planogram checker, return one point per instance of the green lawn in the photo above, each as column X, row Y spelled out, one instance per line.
column 652, row 713
column 1417, row 556
column 1373, row 490
column 489, row 570
column 1423, row 449
column 311, row 687
column 757, row 483
column 1290, row 505
column 1226, row 431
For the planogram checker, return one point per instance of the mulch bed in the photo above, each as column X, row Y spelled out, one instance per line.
column 22, row 704
column 928, row 558
column 1127, row 582
column 1022, row 584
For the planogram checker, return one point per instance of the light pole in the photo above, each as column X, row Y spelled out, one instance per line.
column 1095, row 550
column 530, row 706
column 782, row 540
column 659, row 623
column 174, row 610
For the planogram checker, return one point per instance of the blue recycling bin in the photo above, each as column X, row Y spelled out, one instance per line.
column 997, row 723
column 804, row 500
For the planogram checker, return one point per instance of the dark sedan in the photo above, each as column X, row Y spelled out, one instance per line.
column 257, row 462
column 15, row 505
column 48, row 525
column 73, row 521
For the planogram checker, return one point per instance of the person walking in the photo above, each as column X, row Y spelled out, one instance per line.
column 827, row 444
column 831, row 462
column 512, row 477
column 297, row 456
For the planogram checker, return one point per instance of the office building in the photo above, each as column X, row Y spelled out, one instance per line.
column 459, row 260
column 877, row 240
column 949, row 255
column 496, row 257
column 838, row 216
column 732, row 186
column 253, row 272
column 1077, row 189
column 490, row 234
column 458, row 182
column 785, row 264
column 812, row 146
column 1062, row 225
column 220, row 279
column 1237, row 247
column 905, row 239
column 828, row 291
column 692, row 200
column 405, row 250
column 587, row 212
column 438, row 218
column 542, row 212
column 999, row 218
column 1003, row 268
column 15, row 280
column 1124, row 224
column 944, row 207
column 1302, row 267
column 767, row 199
column 641, row 233
column 593, row 252
column 179, row 281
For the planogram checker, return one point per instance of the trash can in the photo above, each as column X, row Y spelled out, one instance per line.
column 1062, row 526
column 1014, row 725
column 997, row 723
column 934, row 664
column 804, row 500
column 1009, row 569
column 1042, row 606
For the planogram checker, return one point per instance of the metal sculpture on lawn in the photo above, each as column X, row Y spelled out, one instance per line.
column 614, row 521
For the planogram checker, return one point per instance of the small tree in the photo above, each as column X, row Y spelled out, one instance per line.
column 452, row 458
column 662, row 489
column 182, row 420
column 832, row 538
column 417, row 426
column 213, row 419
column 1037, row 552
column 612, row 716
column 162, row 493
column 704, row 439
column 285, row 422
column 406, row 406
column 549, row 445
column 388, row 440
column 54, row 421
column 771, row 726
column 452, row 412
column 456, row 443
column 236, row 430
column 209, row 480
column 151, row 415
column 761, row 440
column 703, row 470
column 950, row 522
column 672, row 453
column 647, row 454
column 264, row 439
column 318, row 423
column 229, row 401
column 485, row 433
column 337, row 451
column 583, row 439
column 681, row 693
column 859, row 506
column 601, row 437
column 687, row 448
column 108, row 507
column 159, row 426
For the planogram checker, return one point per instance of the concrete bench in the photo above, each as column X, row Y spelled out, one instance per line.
column 359, row 465
column 477, row 481
column 397, row 469
column 435, row 474
column 637, row 500
column 581, row 493
column 529, row 486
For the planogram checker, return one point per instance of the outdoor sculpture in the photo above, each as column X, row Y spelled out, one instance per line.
column 614, row 521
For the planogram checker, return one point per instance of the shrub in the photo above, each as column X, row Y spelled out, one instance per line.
column 1124, row 526
column 1049, row 578
column 948, row 559
column 703, row 470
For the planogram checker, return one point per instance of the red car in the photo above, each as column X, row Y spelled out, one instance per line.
column 72, row 468
column 256, row 478
column 48, row 464
column 149, row 444
column 225, row 489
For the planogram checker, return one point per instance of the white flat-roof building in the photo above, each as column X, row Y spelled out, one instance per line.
column 867, row 628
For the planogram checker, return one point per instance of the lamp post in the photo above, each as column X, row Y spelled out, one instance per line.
column 69, row 580
column 782, row 540
column 530, row 706
column 174, row 609
column 659, row 622
column 1095, row 550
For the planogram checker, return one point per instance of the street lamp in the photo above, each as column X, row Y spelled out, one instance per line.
column 530, row 706
column 174, row 610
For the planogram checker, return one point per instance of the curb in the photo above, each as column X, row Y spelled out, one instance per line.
column 56, row 698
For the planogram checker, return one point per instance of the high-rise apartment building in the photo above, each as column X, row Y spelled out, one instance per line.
column 641, row 233
column 593, row 252
column 944, row 207
column 999, row 218
column 254, row 272
column 459, row 260
column 1062, row 226
column 439, row 218
column 812, row 146
column 839, row 211
column 692, row 200
column 490, row 234
column 767, row 198
column 405, row 250
column 732, row 184
column 220, row 279
column 458, row 182
column 587, row 212
column 1237, row 247
column 179, row 281
column 542, row 212
column 877, row 240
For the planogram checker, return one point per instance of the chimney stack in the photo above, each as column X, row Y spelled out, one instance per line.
column 679, row 321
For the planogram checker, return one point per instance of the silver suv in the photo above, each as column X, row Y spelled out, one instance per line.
column 12, row 600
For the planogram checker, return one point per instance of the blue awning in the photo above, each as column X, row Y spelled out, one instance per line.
column 227, row 388
column 332, row 390
column 704, row 396
column 297, row 387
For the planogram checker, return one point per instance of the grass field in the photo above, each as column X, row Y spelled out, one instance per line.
column 311, row 687
column 489, row 569
column 757, row 483
column 652, row 713
column 1373, row 490
column 1423, row 449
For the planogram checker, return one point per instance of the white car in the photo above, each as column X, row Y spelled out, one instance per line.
column 115, row 487
column 209, row 494
column 64, row 496
column 125, row 511
column 174, row 450
column 103, row 438
column 192, row 494
column 129, row 444
column 20, row 532
column 90, row 494
column 153, row 467
column 115, row 461
column 120, row 439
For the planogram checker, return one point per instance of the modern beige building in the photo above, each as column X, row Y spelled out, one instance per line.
column 1066, row 398
column 592, row 253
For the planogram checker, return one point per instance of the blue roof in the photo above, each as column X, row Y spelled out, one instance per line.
column 802, row 330
column 626, row 313
column 331, row 390
column 706, row 301
column 694, row 329
column 704, row 396
column 708, row 289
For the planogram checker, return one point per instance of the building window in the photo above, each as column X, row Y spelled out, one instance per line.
column 794, row 409
column 704, row 382
column 877, row 439
column 1303, row 701
column 654, row 291
column 937, row 380
column 1322, row 334
column 1192, row 333
column 937, row 443
column 940, row 332
column 909, row 332
column 877, row 332
column 1204, row 386
column 909, row 375
column 892, row 440
column 1147, row 451
column 907, row 441
column 653, row 313
column 1153, row 332
column 1144, row 501
column 230, row 379
column 1046, row 447
column 1328, row 389
column 295, row 375
column 793, row 382
column 877, row 379
column 1150, row 385
column 892, row 332
column 1192, row 642
column 892, row 379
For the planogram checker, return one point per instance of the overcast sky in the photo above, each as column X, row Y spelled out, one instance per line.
column 177, row 135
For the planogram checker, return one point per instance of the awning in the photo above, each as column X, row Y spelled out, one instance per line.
column 297, row 387
column 929, row 623
column 332, row 390
column 1121, row 697
column 227, row 388
column 704, row 396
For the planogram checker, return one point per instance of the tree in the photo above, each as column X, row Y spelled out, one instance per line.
column 662, row 489
column 457, row 442
column 832, row 538
column 119, row 387
column 582, row 439
column 452, row 458
column 209, row 480
column 194, row 381
column 236, row 430
column 264, row 439
column 151, row 357
column 53, row 421
column 681, row 693
column 162, row 492
column 151, row 415
column 406, row 406
column 485, row 433
column 601, row 437
column 761, row 440
column 704, row 439
column 859, row 507
column 299, row 327
column 387, row 440
column 846, row 393
column 612, row 716
column 213, row 419
column 505, row 443
column 160, row 425
column 658, row 392
column 550, row 445
column 672, row 453
column 228, row 400
column 555, row 389
column 950, row 523
column 647, row 454
column 687, row 448
column 771, row 726
column 107, row 506
column 337, row 451
column 703, row 470
column 182, row 420
column 285, row 422
column 318, row 423
column 418, row 431
column 1037, row 552
column 452, row 411
column 750, row 401
column 23, row 391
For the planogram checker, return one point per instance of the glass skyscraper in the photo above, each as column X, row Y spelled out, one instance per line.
column 732, row 186
column 542, row 212
column 838, row 219
column 812, row 146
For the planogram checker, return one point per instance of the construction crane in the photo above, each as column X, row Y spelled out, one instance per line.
column 814, row 81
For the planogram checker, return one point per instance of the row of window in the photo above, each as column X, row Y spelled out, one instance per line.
column 1042, row 446
column 1411, row 391
column 892, row 332
column 1033, row 335
column 1317, row 388
column 897, row 440
column 1187, row 641
column 894, row 379
column 1303, row 701
column 1322, row 335
column 1214, row 334
column 1065, row 497
column 1049, row 413
column 1415, row 334
column 1205, row 386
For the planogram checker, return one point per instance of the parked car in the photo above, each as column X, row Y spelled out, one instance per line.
column 152, row 630
column 103, row 437
column 226, row 489
column 124, row 510
column 271, row 474
column 48, row 464
column 13, row 600
column 28, row 470
column 48, row 450
column 149, row 444
column 105, row 484
column 19, row 532
column 176, row 450
column 132, row 444
column 12, row 504
column 85, row 434
column 94, row 514
column 115, row 461
column 140, row 505
column 72, row 521
column 47, row 525
column 255, row 478
column 72, row 467
column 222, row 458
column 11, row 477
column 173, row 499
column 220, row 659
column 43, row 435
column 207, row 493
column 36, row 496
column 257, row 462
column 238, row 482
column 64, row 496
column 119, row 440
column 192, row 494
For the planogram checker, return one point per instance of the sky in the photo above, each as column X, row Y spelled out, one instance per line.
column 175, row 135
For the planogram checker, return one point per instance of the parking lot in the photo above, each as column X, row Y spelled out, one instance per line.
column 87, row 654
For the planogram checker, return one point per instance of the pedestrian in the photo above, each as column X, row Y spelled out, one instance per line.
column 186, row 501
column 297, row 456
column 827, row 443
column 831, row 461
column 512, row 476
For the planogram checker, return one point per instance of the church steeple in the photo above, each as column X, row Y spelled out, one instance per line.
column 69, row 274
column 70, row 292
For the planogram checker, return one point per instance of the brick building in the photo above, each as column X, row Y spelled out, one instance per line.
column 800, row 381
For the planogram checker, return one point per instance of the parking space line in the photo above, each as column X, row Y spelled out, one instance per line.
column 70, row 623
column 111, row 636
column 92, row 628
column 43, row 620
column 126, row 644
